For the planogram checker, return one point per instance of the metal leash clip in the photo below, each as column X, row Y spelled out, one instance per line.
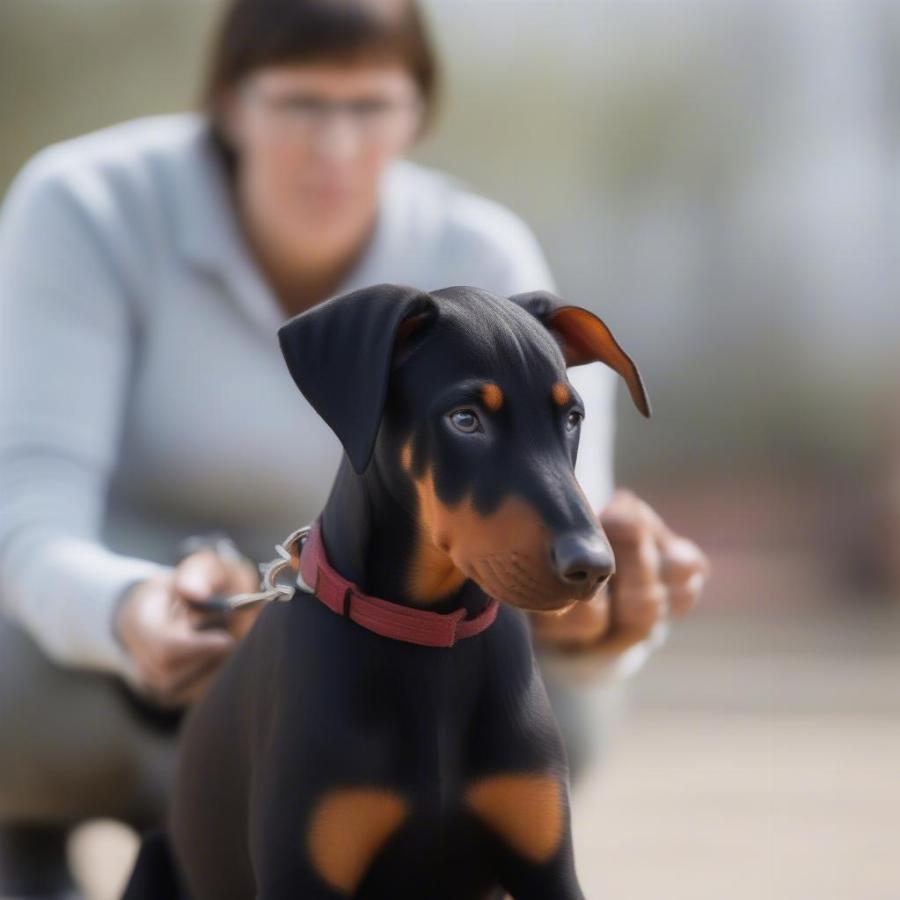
column 288, row 551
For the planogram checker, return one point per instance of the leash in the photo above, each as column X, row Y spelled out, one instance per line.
column 217, row 606
column 289, row 551
column 303, row 553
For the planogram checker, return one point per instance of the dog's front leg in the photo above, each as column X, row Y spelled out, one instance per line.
column 329, row 854
column 555, row 878
column 527, row 817
column 521, row 799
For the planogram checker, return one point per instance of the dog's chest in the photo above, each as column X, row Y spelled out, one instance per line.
column 400, row 764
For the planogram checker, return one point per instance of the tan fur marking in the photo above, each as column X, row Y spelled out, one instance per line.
column 492, row 396
column 561, row 394
column 349, row 827
column 432, row 572
column 524, row 809
column 506, row 552
column 406, row 456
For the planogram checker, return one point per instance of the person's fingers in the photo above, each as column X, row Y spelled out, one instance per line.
column 639, row 596
column 632, row 536
column 580, row 625
column 685, row 568
column 192, row 685
column 682, row 559
column 181, row 648
column 168, row 651
column 173, row 691
column 243, row 576
column 183, row 641
column 200, row 575
column 626, row 506
column 684, row 598
column 656, row 570
column 203, row 617
column 196, row 579
column 205, row 572
column 176, row 665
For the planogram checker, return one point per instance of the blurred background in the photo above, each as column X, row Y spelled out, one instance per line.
column 721, row 181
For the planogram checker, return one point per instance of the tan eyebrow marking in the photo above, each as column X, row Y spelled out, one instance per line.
column 561, row 394
column 492, row 396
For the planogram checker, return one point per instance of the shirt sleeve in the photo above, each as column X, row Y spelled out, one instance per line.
column 66, row 339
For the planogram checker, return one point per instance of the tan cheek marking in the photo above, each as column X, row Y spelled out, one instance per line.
column 525, row 810
column 349, row 827
column 432, row 573
column 561, row 394
column 451, row 538
column 492, row 396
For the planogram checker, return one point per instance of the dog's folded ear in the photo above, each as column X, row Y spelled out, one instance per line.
column 340, row 354
column 584, row 338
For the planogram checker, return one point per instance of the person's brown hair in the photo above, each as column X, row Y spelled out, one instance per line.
column 256, row 33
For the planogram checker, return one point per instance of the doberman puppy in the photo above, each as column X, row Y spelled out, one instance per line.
column 411, row 751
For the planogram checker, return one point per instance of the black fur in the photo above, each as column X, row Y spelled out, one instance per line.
column 311, row 701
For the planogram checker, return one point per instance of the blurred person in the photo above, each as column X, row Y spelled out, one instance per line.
column 144, row 271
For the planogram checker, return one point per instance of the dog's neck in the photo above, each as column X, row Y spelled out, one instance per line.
column 369, row 536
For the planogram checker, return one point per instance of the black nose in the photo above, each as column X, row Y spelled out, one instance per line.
column 582, row 561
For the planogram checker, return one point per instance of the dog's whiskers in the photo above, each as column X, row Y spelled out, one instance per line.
column 514, row 588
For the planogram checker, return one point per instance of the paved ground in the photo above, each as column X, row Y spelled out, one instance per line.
column 759, row 759
column 746, row 805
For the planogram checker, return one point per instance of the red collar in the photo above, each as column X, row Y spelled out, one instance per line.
column 403, row 623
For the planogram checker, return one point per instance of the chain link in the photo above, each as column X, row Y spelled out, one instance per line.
column 269, row 572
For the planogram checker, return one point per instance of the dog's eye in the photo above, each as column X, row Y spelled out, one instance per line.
column 465, row 420
column 573, row 419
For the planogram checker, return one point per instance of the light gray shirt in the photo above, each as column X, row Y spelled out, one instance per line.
column 142, row 393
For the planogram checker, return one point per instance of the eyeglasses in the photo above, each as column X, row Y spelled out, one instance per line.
column 373, row 119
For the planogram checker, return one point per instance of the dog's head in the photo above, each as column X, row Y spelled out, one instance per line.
column 458, row 402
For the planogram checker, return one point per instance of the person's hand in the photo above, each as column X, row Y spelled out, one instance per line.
column 657, row 572
column 168, row 637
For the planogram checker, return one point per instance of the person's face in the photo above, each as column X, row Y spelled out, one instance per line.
column 313, row 139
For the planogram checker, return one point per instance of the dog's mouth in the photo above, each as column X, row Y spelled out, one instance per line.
column 506, row 552
column 514, row 578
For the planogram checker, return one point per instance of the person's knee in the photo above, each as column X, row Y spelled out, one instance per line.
column 70, row 747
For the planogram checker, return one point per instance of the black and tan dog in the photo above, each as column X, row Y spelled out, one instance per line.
column 405, row 747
